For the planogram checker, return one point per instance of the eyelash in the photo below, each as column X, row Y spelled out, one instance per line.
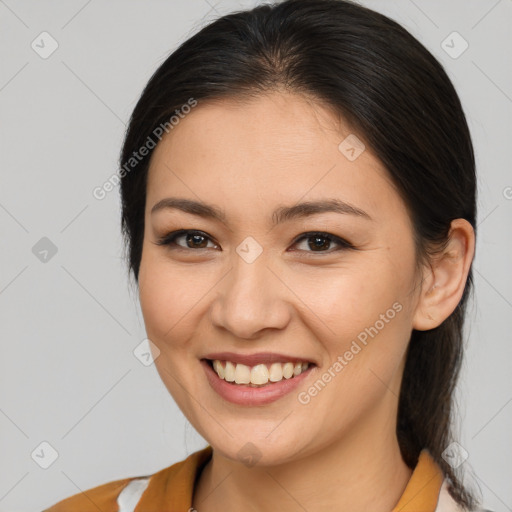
column 169, row 240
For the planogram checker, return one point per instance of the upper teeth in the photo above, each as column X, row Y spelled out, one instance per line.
column 258, row 375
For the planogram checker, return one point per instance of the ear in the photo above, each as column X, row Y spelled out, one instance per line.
column 444, row 281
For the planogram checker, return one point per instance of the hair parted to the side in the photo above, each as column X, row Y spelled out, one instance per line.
column 396, row 97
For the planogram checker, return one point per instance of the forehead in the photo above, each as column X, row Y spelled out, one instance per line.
column 279, row 147
column 273, row 129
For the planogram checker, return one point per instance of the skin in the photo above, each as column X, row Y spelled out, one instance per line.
column 248, row 159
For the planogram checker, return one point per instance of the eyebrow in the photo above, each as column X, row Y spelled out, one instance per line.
column 280, row 215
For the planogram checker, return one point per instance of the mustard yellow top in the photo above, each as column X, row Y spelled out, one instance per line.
column 171, row 489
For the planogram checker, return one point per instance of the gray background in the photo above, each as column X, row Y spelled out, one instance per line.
column 68, row 375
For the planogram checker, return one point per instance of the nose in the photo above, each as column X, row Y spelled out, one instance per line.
column 251, row 299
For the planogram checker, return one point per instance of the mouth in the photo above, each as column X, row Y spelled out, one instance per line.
column 258, row 375
column 264, row 379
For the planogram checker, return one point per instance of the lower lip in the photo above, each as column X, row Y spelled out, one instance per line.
column 243, row 394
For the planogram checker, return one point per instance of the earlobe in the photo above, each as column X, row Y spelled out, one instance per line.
column 444, row 284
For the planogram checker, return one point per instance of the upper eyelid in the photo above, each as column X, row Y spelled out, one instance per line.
column 183, row 232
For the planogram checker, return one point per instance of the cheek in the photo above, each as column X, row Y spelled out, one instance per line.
column 169, row 296
column 362, row 358
column 162, row 307
column 341, row 304
column 362, row 321
column 169, row 302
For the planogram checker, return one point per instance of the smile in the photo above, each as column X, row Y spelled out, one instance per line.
column 257, row 379
column 258, row 375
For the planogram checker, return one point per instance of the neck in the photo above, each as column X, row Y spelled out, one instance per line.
column 363, row 471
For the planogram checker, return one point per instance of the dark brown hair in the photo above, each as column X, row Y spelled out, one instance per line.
column 399, row 100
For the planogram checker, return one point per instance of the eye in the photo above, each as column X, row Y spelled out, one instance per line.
column 319, row 241
column 193, row 239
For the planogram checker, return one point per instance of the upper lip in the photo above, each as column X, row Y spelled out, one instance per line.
column 257, row 358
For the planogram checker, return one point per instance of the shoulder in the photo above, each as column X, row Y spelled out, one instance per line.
column 446, row 503
column 124, row 494
column 103, row 497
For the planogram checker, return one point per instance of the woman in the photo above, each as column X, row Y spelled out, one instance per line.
column 299, row 202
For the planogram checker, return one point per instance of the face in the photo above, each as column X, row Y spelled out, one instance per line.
column 258, row 280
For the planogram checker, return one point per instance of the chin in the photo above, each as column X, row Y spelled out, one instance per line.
column 254, row 449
